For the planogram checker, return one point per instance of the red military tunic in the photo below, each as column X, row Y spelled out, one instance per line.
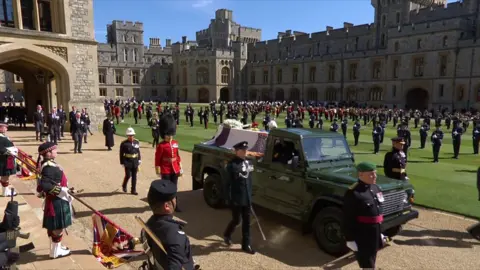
column 167, row 157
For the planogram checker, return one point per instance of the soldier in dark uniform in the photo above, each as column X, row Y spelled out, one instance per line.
column 476, row 138
column 57, row 214
column 376, row 133
column 72, row 117
column 63, row 118
column 363, row 217
column 320, row 123
column 53, row 123
column 334, row 126
column 311, row 121
column 155, row 126
column 38, row 121
column 190, row 113
column 424, row 134
column 178, row 255
column 288, row 121
column 356, row 131
column 22, row 116
column 205, row 117
column 7, row 160
column 395, row 162
column 78, row 129
column 130, row 159
column 407, row 136
column 108, row 131
column 344, row 127
column 238, row 191
column 437, row 137
column 457, row 133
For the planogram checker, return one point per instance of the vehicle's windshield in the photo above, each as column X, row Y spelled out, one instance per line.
column 320, row 149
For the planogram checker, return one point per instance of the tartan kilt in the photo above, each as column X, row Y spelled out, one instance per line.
column 3, row 167
column 62, row 218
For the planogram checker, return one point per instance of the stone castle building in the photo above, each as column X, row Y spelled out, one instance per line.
column 419, row 53
column 50, row 47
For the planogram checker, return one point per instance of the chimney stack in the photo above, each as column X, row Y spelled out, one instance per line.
column 329, row 28
column 184, row 39
column 347, row 25
column 154, row 42
column 168, row 42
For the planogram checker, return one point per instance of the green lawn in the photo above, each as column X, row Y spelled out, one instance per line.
column 449, row 185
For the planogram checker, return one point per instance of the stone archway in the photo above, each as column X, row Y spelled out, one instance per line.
column 45, row 75
column 203, row 95
column 225, row 94
column 279, row 95
column 417, row 98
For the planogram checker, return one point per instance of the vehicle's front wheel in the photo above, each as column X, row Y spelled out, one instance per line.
column 327, row 230
column 196, row 185
column 213, row 191
column 393, row 231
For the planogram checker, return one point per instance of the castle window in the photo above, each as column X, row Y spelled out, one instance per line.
column 6, row 13
column 279, row 76
column 254, row 57
column 396, row 66
column 265, row 76
column 119, row 92
column 313, row 71
column 102, row 76
column 368, row 44
column 356, row 43
column 295, row 75
column 45, row 15
column 134, row 39
column 27, row 14
column 331, row 73
column 327, row 48
column 460, row 93
column 135, row 55
column 202, row 75
column 353, row 71
column 331, row 94
column 419, row 44
column 440, row 90
column 136, row 93
column 125, row 55
column 185, row 76
column 135, row 77
column 397, row 46
column 119, row 76
column 154, row 93
column 384, row 20
column 394, row 91
column 376, row 94
column 102, row 92
column 382, row 40
column 397, row 19
column 17, row 79
column 377, row 70
column 124, row 38
column 225, row 75
column 318, row 48
column 252, row 77
column 418, row 67
column 445, row 41
column 169, row 77
column 443, row 65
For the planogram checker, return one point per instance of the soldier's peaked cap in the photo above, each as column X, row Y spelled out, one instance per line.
column 398, row 139
column 161, row 191
column 46, row 147
column 241, row 146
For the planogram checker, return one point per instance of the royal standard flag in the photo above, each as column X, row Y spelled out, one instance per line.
column 25, row 163
column 112, row 246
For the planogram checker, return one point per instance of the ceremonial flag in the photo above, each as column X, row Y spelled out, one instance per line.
column 25, row 163
column 112, row 246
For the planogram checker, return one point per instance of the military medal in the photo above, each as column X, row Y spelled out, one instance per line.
column 380, row 197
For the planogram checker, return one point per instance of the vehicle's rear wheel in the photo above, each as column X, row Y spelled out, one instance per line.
column 213, row 191
column 327, row 230
column 393, row 231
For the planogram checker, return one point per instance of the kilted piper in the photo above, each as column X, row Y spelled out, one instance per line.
column 57, row 213
column 7, row 160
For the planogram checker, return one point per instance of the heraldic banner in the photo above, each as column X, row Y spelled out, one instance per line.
column 25, row 163
column 112, row 246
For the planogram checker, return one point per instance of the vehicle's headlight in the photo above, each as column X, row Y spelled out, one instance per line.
column 410, row 196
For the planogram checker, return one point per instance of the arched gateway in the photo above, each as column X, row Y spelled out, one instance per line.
column 417, row 98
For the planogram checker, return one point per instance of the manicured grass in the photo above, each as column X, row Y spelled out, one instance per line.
column 449, row 185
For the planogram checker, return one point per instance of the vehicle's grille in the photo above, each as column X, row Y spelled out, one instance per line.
column 394, row 202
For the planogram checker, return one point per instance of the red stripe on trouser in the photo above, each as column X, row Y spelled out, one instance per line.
column 370, row 220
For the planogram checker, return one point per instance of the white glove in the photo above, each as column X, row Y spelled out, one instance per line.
column 352, row 245
column 455, row 133
column 139, row 162
column 65, row 195
column 435, row 136
column 181, row 171
column 13, row 151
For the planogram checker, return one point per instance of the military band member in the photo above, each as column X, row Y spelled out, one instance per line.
column 476, row 138
column 190, row 113
column 376, row 135
column 457, row 132
column 334, row 126
column 311, row 121
column 167, row 156
column 395, row 162
column 130, row 159
column 78, row 129
column 437, row 137
column 356, row 131
column 53, row 123
column 57, row 215
column 238, row 191
column 363, row 217
column 38, row 121
column 162, row 201
column 423, row 134
column 407, row 136
column 344, row 127
column 7, row 160
column 109, row 130
column 155, row 126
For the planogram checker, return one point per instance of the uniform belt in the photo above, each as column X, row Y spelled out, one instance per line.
column 169, row 159
column 130, row 155
column 370, row 220
column 398, row 170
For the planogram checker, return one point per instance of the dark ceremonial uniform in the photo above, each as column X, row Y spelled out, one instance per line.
column 395, row 162
column 238, row 191
column 78, row 130
column 334, row 126
column 424, row 134
column 38, row 121
column 476, row 139
column 407, row 136
column 168, row 231
column 376, row 134
column 363, row 217
column 130, row 158
column 344, row 128
column 7, row 161
column 108, row 131
column 63, row 119
column 437, row 137
column 356, row 132
column 53, row 123
column 457, row 133
column 155, row 126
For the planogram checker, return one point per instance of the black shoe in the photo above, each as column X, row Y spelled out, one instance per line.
column 75, row 151
column 124, row 188
column 80, row 152
column 134, row 192
column 248, row 249
column 227, row 241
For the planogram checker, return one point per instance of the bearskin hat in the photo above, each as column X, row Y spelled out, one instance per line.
column 168, row 125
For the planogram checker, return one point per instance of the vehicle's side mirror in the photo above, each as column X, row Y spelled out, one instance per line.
column 295, row 162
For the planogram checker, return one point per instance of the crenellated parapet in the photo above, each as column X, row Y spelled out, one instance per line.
column 128, row 25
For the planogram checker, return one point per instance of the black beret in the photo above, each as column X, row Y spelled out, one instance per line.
column 46, row 147
column 398, row 139
column 161, row 191
column 241, row 146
